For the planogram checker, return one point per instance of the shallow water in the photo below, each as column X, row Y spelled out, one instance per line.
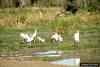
column 55, row 55
column 70, row 62
column 49, row 53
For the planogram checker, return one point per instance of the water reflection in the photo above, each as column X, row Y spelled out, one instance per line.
column 49, row 53
column 70, row 62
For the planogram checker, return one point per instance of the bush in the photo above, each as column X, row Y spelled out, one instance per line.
column 89, row 5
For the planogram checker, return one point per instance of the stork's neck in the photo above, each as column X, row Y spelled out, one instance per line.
column 35, row 31
column 59, row 35
column 77, row 31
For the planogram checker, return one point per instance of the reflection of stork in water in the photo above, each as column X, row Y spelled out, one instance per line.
column 77, row 61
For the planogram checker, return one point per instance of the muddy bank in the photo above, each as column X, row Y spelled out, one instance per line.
column 15, row 63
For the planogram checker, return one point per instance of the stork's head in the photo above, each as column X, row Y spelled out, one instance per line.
column 77, row 31
column 35, row 31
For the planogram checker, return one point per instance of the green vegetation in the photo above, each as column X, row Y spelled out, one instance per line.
column 13, row 21
column 89, row 5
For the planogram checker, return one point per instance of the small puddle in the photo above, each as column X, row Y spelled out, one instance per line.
column 69, row 62
column 49, row 53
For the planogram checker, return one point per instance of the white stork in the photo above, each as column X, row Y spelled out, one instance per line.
column 55, row 37
column 60, row 39
column 34, row 35
column 28, row 38
column 76, row 37
column 41, row 39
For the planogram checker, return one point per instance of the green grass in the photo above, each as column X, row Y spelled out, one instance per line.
column 88, row 24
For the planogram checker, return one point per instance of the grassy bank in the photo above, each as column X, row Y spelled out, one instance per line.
column 24, row 18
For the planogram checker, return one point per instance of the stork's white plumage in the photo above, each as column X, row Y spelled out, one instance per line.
column 55, row 37
column 76, row 37
column 34, row 34
column 41, row 39
column 60, row 39
column 28, row 38
column 23, row 36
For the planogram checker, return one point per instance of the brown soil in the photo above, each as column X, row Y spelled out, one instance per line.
column 16, row 63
